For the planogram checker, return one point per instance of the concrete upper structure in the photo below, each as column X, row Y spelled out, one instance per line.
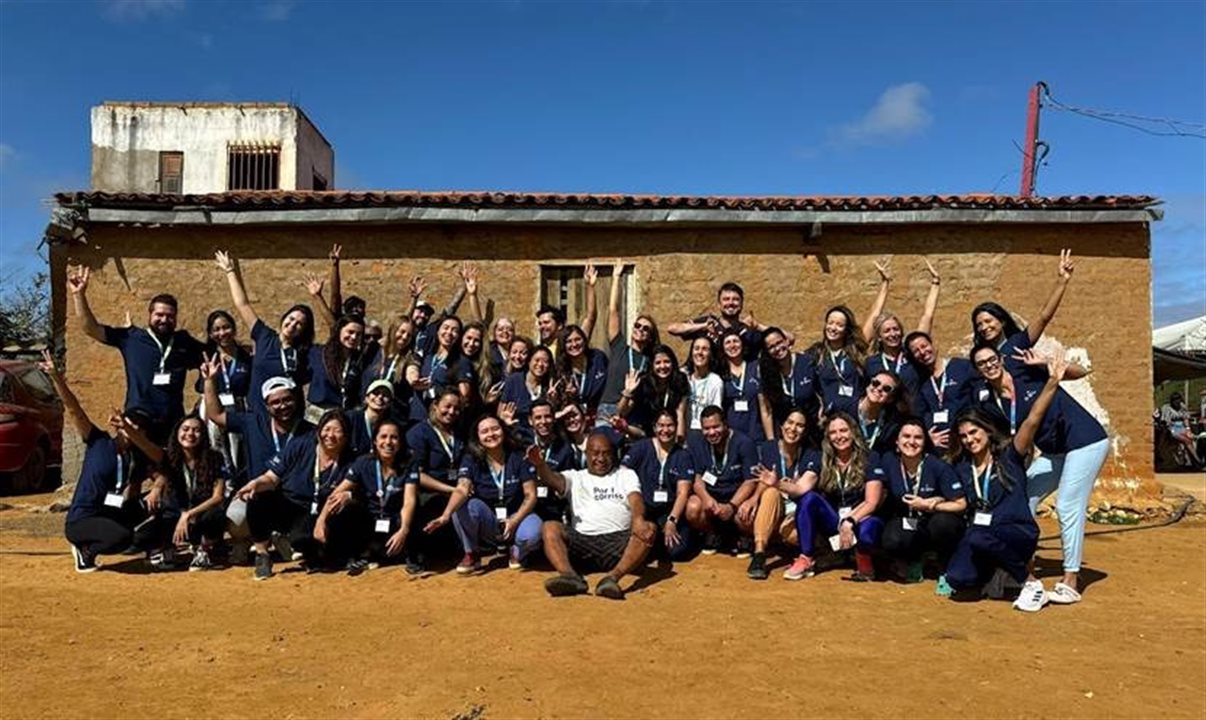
column 191, row 147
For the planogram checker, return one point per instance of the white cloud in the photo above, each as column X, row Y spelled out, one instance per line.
column 898, row 113
column 139, row 10
column 6, row 154
column 276, row 10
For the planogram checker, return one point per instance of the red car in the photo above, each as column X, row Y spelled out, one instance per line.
column 31, row 427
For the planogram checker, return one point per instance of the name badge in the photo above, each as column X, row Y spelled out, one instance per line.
column 381, row 526
column 500, row 513
column 162, row 378
column 542, row 491
column 843, row 513
column 661, row 496
column 709, row 479
column 313, row 508
column 114, row 500
column 982, row 518
column 741, row 405
column 942, row 417
column 846, row 390
column 983, row 394
column 227, row 399
column 909, row 524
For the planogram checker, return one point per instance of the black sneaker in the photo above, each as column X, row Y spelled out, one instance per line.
column 745, row 546
column 711, row 544
column 357, row 566
column 757, row 568
column 609, row 588
column 563, row 585
column 162, row 560
column 85, row 562
column 263, row 566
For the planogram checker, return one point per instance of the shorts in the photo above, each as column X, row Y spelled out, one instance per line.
column 599, row 553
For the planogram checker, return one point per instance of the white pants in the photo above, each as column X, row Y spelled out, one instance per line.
column 1074, row 474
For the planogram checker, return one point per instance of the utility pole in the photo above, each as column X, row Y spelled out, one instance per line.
column 1030, row 151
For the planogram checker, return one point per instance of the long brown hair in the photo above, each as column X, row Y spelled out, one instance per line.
column 856, row 471
column 207, row 462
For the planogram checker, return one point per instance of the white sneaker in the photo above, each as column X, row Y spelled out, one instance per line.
column 1063, row 594
column 1032, row 598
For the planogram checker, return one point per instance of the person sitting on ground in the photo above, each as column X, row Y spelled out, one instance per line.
column 104, row 507
column 608, row 530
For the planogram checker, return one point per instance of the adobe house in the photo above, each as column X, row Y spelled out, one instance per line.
column 795, row 256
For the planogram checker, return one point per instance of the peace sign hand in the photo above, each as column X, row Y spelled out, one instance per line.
column 1066, row 266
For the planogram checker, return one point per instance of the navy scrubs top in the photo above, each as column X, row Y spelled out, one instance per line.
column 99, row 476
column 328, row 392
column 843, row 496
column 747, row 388
column 144, row 358
column 950, row 392
column 641, row 458
column 431, row 453
column 295, row 467
column 1066, row 426
column 841, row 381
column 271, row 360
column 515, row 390
column 799, row 391
column 937, row 479
column 262, row 443
column 735, row 464
column 592, row 379
column 807, row 460
column 1009, row 506
column 234, row 378
column 485, row 486
column 381, row 494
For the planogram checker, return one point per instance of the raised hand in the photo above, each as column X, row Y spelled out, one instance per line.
column 210, row 366
column 313, row 284
column 935, row 279
column 884, row 270
column 591, row 274
column 334, row 254
column 77, row 280
column 632, row 380
column 506, row 413
column 469, row 276
column 1030, row 357
column 1066, row 266
column 1057, row 366
column 47, row 364
column 416, row 286
column 225, row 262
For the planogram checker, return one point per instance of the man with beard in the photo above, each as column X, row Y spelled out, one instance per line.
column 730, row 300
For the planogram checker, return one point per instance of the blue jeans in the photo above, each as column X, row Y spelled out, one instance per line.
column 1074, row 473
column 476, row 524
column 814, row 514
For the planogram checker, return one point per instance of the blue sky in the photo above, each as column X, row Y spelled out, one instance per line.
column 702, row 98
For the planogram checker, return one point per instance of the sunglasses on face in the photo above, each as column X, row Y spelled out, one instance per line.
column 886, row 387
column 643, row 327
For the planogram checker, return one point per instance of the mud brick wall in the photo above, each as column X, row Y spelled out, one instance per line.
column 789, row 279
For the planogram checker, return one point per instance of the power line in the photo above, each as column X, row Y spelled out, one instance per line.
column 1175, row 128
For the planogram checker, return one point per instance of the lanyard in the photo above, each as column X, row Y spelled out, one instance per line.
column 548, row 450
column 661, row 465
column 389, row 372
column 783, row 461
column 863, row 426
column 724, row 461
column 343, row 379
column 939, row 388
column 500, row 481
column 286, row 358
column 449, row 450
column 382, row 489
column 1013, row 411
column 318, row 471
column 189, row 481
column 741, row 385
column 841, row 475
column 163, row 352
column 579, row 380
column 121, row 471
column 276, row 439
column 632, row 365
column 228, row 371
column 916, row 479
column 368, row 427
column 833, row 358
column 787, row 379
column 982, row 494
column 896, row 364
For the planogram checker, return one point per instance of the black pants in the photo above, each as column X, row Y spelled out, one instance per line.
column 157, row 532
column 273, row 512
column 99, row 534
column 936, row 532
column 420, row 545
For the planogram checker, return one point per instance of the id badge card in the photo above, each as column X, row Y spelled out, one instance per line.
column 114, row 500
column 661, row 496
column 500, row 513
column 908, row 523
column 542, row 491
column 844, row 512
column 942, row 417
column 982, row 518
column 313, row 414
column 835, row 542
column 709, row 479
column 741, row 405
column 381, row 526
column 162, row 378
column 314, row 508
column 846, row 390
column 227, row 399
column 984, row 395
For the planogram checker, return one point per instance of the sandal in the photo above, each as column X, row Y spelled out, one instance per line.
column 1063, row 594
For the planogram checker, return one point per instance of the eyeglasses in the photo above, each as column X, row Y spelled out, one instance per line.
column 991, row 361
column 877, row 383
column 643, row 327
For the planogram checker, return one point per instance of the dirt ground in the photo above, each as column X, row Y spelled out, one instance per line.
column 701, row 642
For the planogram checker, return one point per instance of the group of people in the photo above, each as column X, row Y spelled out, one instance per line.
column 366, row 446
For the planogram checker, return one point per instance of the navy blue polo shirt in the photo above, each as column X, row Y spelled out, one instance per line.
column 770, row 456
column 843, row 496
column 382, row 495
column 641, row 458
column 937, row 479
column 99, row 476
column 143, row 358
column 485, row 487
column 1008, row 505
column 592, row 379
column 747, row 388
column 181, row 496
column 515, row 390
column 340, row 391
column 834, row 374
column 437, row 456
column 1066, row 426
column 234, row 377
column 273, row 361
column 951, row 392
column 799, row 391
column 732, row 464
column 262, row 442
column 295, row 468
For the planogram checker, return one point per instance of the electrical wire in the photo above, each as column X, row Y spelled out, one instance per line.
column 1175, row 128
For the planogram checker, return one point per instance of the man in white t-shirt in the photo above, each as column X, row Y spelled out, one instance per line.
column 608, row 530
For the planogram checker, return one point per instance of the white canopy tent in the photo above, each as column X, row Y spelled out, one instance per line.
column 1188, row 336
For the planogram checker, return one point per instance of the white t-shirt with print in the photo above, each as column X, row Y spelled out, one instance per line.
column 600, row 504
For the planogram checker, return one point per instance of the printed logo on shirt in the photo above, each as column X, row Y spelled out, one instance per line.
column 604, row 494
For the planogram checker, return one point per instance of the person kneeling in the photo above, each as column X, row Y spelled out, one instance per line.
column 609, row 530
column 726, row 474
